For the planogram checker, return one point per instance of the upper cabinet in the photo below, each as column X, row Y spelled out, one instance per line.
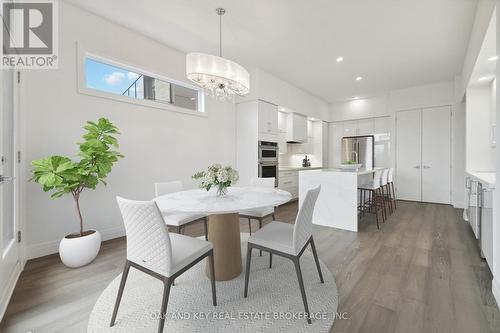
column 296, row 128
column 282, row 123
column 358, row 127
column 268, row 121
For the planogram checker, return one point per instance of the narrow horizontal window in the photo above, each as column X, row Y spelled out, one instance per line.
column 136, row 85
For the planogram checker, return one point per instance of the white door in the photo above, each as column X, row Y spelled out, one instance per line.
column 409, row 155
column 436, row 159
column 9, row 247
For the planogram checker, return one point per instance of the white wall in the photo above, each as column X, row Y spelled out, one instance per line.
column 272, row 89
column 436, row 94
column 158, row 145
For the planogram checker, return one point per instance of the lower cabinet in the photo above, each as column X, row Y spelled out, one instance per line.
column 289, row 181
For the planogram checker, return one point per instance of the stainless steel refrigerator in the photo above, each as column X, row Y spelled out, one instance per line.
column 359, row 149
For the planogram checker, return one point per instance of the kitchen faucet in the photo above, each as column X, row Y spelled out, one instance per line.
column 355, row 153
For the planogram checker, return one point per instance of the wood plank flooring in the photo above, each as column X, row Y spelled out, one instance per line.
column 420, row 272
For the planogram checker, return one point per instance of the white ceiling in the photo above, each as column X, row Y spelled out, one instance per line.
column 392, row 44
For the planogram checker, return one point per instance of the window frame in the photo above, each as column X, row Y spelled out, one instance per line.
column 83, row 89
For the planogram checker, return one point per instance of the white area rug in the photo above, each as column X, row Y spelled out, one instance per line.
column 273, row 300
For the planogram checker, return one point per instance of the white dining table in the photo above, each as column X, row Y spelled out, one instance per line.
column 223, row 218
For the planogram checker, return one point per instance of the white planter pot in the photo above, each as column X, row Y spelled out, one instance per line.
column 79, row 251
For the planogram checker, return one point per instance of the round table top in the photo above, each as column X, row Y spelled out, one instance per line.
column 236, row 199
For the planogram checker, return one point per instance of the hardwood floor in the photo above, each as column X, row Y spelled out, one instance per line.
column 421, row 272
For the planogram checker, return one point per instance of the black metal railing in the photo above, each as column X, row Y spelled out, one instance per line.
column 132, row 88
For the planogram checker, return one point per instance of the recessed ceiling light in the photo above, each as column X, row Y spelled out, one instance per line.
column 340, row 59
column 485, row 78
column 494, row 58
column 355, row 97
column 359, row 78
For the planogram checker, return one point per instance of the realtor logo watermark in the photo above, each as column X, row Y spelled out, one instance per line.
column 29, row 34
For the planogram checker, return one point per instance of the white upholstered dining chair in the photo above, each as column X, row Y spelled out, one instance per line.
column 179, row 220
column 289, row 241
column 154, row 251
column 261, row 213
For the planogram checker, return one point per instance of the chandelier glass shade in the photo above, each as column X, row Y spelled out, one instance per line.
column 219, row 77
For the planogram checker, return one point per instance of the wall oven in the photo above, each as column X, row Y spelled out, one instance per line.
column 268, row 160
column 268, row 151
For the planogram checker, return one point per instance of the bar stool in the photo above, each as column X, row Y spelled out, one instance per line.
column 375, row 202
column 385, row 191
column 390, row 184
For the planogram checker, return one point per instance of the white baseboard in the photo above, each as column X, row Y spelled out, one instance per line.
column 9, row 288
column 495, row 289
column 46, row 248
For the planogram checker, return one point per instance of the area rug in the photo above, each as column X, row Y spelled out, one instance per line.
column 274, row 303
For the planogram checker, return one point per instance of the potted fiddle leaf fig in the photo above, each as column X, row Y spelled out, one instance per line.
column 62, row 175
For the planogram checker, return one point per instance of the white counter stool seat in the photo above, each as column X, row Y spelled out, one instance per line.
column 154, row 251
column 372, row 201
column 289, row 241
column 262, row 213
column 179, row 221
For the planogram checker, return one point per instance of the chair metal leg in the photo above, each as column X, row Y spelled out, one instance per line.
column 301, row 285
column 166, row 293
column 250, row 225
column 206, row 228
column 260, row 227
column 270, row 260
column 120, row 292
column 212, row 278
column 315, row 254
column 247, row 272
column 394, row 196
column 274, row 217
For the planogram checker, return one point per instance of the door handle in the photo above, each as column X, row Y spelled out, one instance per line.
column 426, row 167
column 4, row 179
column 417, row 167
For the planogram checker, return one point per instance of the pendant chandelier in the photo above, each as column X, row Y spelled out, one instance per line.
column 221, row 78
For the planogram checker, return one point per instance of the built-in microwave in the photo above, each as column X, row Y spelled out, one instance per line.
column 268, row 151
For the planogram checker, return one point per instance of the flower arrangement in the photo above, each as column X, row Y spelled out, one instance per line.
column 217, row 176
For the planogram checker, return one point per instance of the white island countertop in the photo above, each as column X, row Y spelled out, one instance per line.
column 486, row 178
column 291, row 168
column 359, row 172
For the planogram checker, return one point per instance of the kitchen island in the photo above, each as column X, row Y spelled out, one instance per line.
column 337, row 204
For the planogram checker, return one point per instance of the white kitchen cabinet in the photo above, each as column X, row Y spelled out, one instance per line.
column 382, row 125
column 296, row 128
column 350, row 128
column 335, row 134
column 268, row 121
column 282, row 123
column 289, row 181
column 365, row 126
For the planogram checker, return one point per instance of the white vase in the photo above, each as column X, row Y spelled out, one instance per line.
column 79, row 251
